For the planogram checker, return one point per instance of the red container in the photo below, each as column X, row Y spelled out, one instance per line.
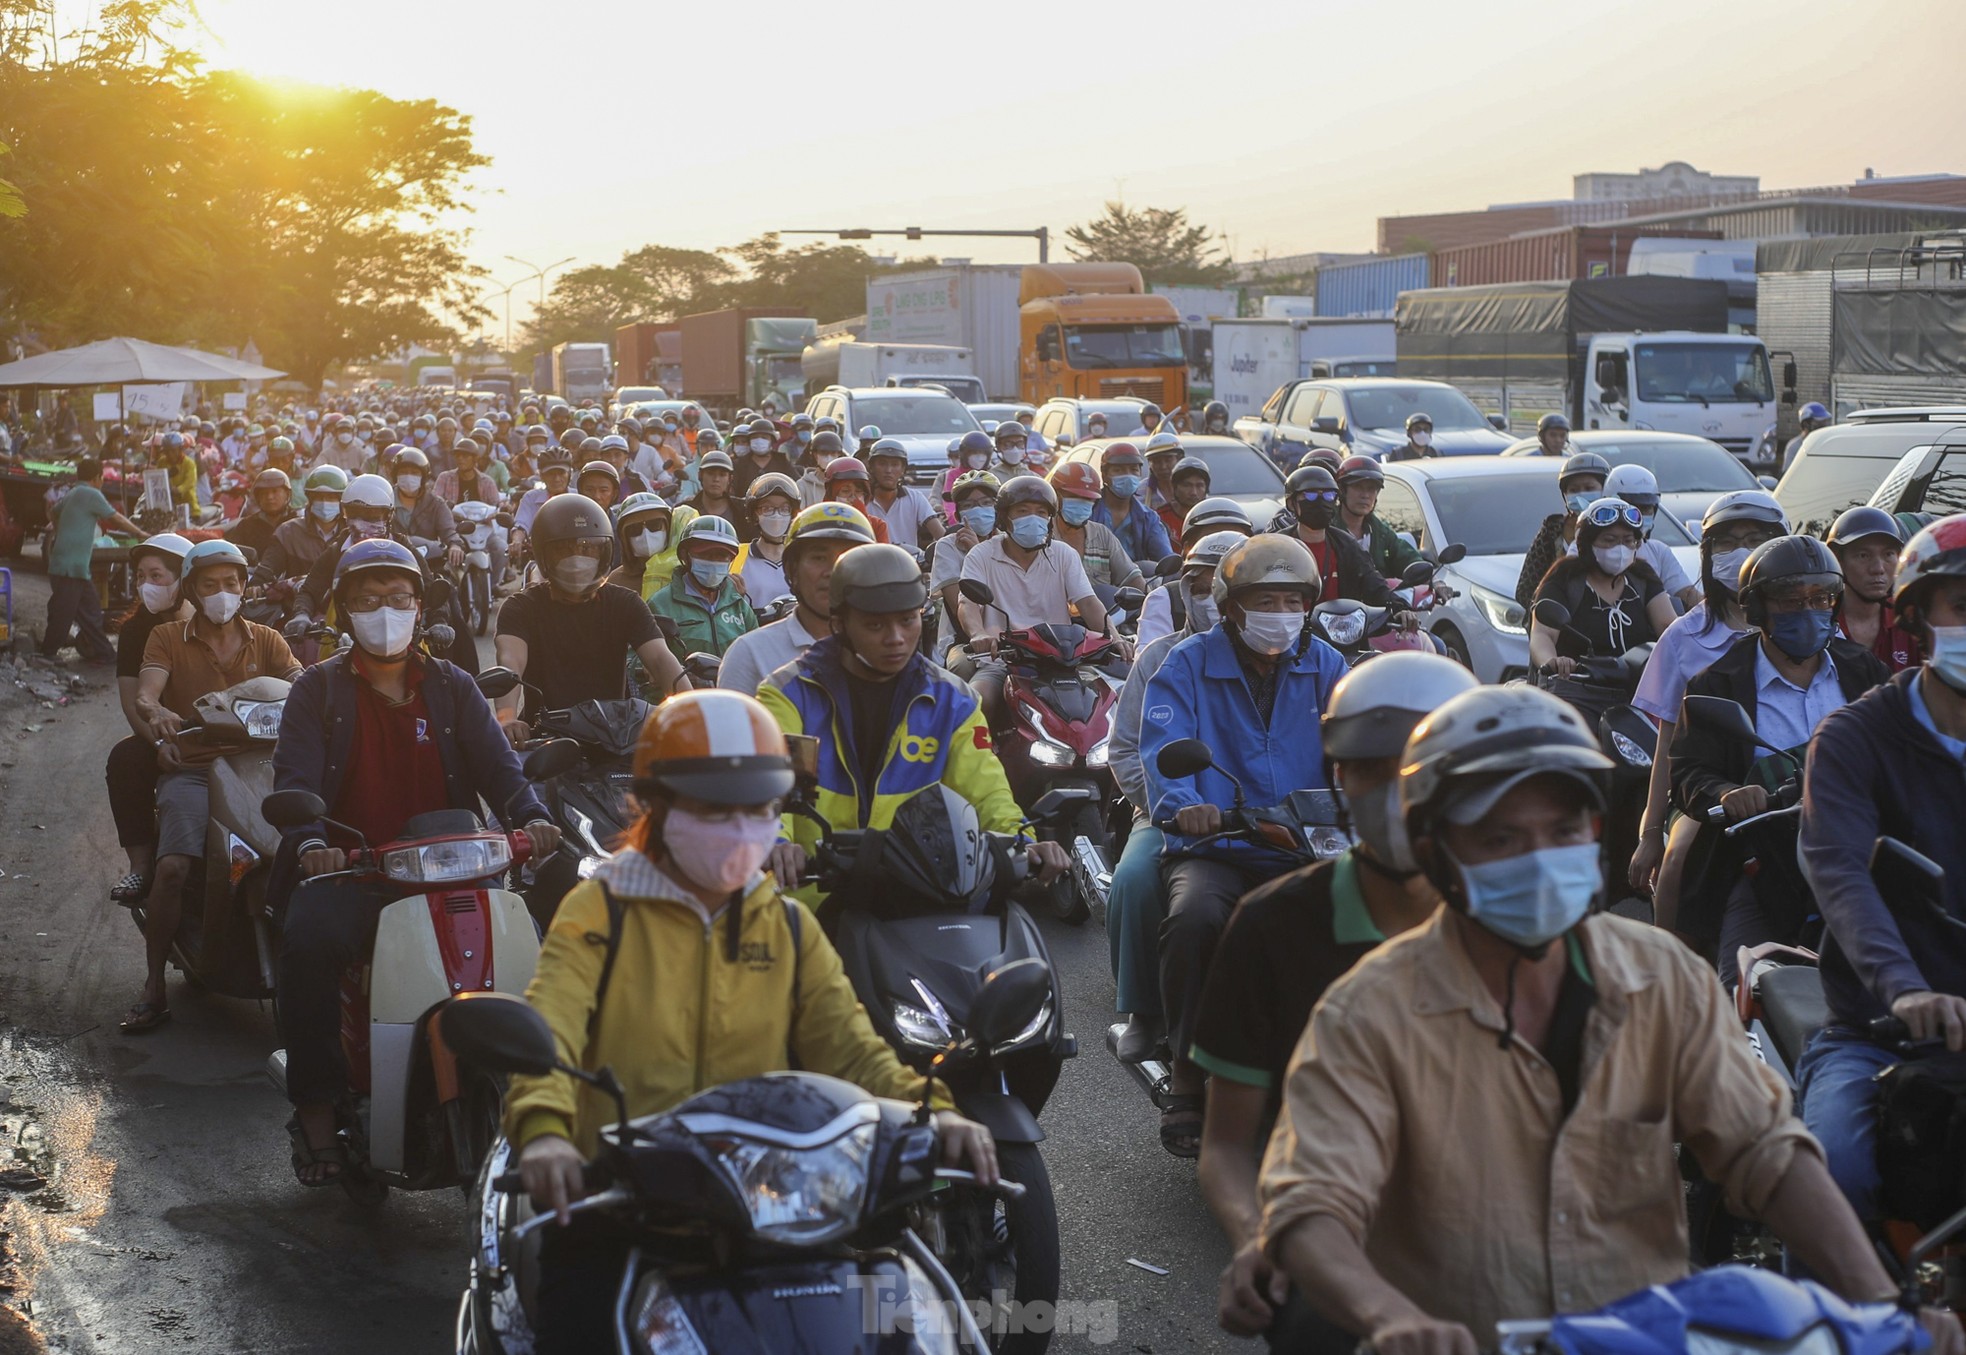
column 1565, row 254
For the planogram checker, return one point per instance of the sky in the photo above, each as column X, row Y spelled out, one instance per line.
column 1284, row 126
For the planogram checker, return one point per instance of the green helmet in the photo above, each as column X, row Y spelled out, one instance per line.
column 325, row 480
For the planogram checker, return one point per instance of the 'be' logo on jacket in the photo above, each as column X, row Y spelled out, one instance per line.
column 916, row 748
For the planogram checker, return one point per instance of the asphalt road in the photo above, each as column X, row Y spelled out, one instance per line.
column 173, row 1221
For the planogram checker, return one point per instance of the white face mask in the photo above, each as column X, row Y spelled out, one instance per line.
column 978, row 461
column 1201, row 613
column 344, row 438
column 1012, row 456
column 385, row 632
column 576, row 573
column 1727, row 567
column 409, row 484
column 1614, row 560
column 1272, row 633
column 648, row 543
column 1422, row 438
column 775, row 525
column 220, row 608
column 760, row 444
column 158, row 597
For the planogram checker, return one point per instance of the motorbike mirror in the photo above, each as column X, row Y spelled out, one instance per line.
column 1453, row 554
column 1056, row 799
column 804, row 751
column 1128, row 600
column 1416, row 573
column 497, row 682
column 1727, row 719
column 292, row 808
column 436, row 595
column 499, row 1033
column 1184, row 757
column 702, row 666
column 978, row 592
column 1009, row 1000
column 668, row 628
column 1169, row 567
column 502, row 519
column 1552, row 613
column 551, row 759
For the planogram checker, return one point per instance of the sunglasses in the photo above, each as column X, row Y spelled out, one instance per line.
column 1611, row 514
column 1318, row 496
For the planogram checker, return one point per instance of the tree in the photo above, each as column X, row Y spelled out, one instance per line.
column 11, row 202
column 827, row 282
column 1160, row 241
column 654, row 282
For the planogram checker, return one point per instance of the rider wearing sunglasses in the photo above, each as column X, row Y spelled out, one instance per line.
column 1615, row 600
column 1311, row 496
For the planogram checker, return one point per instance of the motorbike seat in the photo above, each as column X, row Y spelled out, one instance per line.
column 441, row 823
column 1793, row 1007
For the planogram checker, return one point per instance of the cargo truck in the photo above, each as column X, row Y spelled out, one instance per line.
column 958, row 305
column 733, row 358
column 849, row 362
column 1092, row 331
column 1628, row 352
column 1199, row 309
column 637, row 354
column 1253, row 358
column 542, row 373
column 583, row 373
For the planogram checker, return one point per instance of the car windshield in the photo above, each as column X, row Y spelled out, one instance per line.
column 1501, row 514
column 915, row 415
column 1703, row 373
column 630, row 394
column 1374, row 407
column 1680, row 467
column 1238, row 470
column 1091, row 347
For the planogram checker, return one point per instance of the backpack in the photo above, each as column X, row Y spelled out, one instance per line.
column 1921, row 1139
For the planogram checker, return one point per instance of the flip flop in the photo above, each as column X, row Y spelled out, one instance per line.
column 145, row 1016
column 1180, row 1125
column 305, row 1155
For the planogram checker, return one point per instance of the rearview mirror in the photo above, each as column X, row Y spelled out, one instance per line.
column 1128, row 600
column 498, row 1033
column 1169, row 566
column 1766, row 481
column 436, row 595
column 1453, row 554
column 977, row 592
column 1326, row 424
column 550, row 760
column 497, row 682
column 1054, row 800
column 1416, row 573
column 1552, row 613
column 1184, row 757
column 1788, row 375
column 1498, row 423
column 1009, row 1000
column 702, row 667
column 1726, row 719
column 292, row 808
column 804, row 752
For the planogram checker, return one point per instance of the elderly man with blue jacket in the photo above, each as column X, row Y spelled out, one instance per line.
column 1252, row 689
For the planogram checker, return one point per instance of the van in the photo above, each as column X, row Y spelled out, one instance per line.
column 1845, row 465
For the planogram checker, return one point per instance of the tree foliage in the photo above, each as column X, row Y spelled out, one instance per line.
column 1167, row 249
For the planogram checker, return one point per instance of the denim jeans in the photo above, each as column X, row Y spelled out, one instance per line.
column 1134, row 907
column 1838, row 1095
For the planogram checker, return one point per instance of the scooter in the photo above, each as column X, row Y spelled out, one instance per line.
column 478, row 523
column 413, row 1118
column 773, row 1214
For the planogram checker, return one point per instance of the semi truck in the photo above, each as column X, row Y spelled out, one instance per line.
column 849, row 362
column 959, row 305
column 1253, row 358
column 542, row 373
column 1625, row 352
column 733, row 358
column 638, row 353
column 1092, row 331
column 583, row 373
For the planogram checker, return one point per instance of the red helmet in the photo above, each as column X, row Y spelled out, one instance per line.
column 1076, row 479
column 1937, row 552
column 846, row 468
column 1359, row 470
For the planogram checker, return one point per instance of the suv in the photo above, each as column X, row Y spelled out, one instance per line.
column 1062, row 419
column 924, row 420
column 1366, row 416
column 1870, row 461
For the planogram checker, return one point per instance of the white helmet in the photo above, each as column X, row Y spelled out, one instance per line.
column 1207, row 553
column 1374, row 708
column 1634, row 484
column 1744, row 505
column 368, row 491
column 1216, row 513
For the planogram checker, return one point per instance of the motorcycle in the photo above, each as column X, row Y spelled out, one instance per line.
column 921, row 912
column 1772, row 837
column 478, row 524
column 412, row 1118
column 771, row 1214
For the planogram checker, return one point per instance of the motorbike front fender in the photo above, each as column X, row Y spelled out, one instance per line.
column 1006, row 1117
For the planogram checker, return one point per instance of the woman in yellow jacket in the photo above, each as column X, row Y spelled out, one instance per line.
column 681, row 966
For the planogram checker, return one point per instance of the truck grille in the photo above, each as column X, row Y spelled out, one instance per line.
column 1141, row 387
column 1738, row 446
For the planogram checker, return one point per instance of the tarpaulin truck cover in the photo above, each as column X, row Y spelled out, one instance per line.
column 1529, row 330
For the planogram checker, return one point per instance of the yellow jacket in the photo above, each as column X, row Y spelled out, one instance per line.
column 682, row 1014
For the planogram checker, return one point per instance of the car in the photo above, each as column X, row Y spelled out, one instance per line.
column 1848, row 464
column 924, row 421
column 1366, row 416
column 626, row 396
column 644, row 410
column 1235, row 470
column 1062, row 419
column 1692, row 471
column 1494, row 506
column 995, row 412
column 1930, row 479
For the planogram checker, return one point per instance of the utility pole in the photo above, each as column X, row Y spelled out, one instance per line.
column 540, row 273
column 1041, row 234
column 506, row 292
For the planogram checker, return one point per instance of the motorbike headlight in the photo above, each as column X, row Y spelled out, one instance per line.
column 660, row 1325
column 1327, row 842
column 1630, row 750
column 465, row 858
column 261, row 718
column 799, row 1196
column 1502, row 612
column 1343, row 629
column 918, row 1027
column 1046, row 753
column 1032, row 1029
column 1099, row 756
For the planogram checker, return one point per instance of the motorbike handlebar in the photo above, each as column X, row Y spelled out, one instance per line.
column 1010, row 1190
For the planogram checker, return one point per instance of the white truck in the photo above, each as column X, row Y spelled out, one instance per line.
column 1253, row 358
column 583, row 373
column 959, row 305
column 850, row 362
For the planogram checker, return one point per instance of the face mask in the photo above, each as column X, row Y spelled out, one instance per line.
column 710, row 573
column 1422, row 438
column 978, row 461
column 668, row 427
column 760, row 444
column 384, row 632
column 1802, row 635
column 980, row 520
column 344, row 438
column 220, row 608
column 1316, row 516
column 1645, row 523
column 1201, row 613
column 774, row 525
column 409, row 484
column 646, row 544
column 576, row 573
column 1948, row 658
column 1727, row 567
column 1532, row 899
column 1077, row 512
column 1614, row 560
column 158, row 597
column 1577, row 503
column 1272, row 633
column 1012, row 456
column 1126, row 486
column 721, row 856
column 802, row 437
column 1382, row 828
column 1030, row 532
column 327, row 510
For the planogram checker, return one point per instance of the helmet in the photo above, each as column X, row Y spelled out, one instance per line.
column 1582, row 463
column 627, row 427
column 613, row 442
column 1938, row 551
column 538, row 432
column 564, row 521
column 877, row 579
column 739, row 431
column 486, row 425
column 1150, row 416
column 1419, row 418
column 231, row 482
column 717, row 746
column 774, row 482
column 369, row 491
column 635, row 505
column 825, row 423
column 1374, row 708
column 1267, row 562
column 366, row 556
column 975, row 479
column 869, row 435
column 1857, row 523
column 708, row 440
column 1813, row 412
column 1305, row 479
column 447, row 422
column 171, row 442
column 1602, row 514
column 603, row 469
column 1207, row 551
column 976, row 442
column 1163, row 444
column 556, row 458
column 1320, row 456
column 714, row 459
column 1024, row 489
column 692, row 415
column 591, row 448
column 466, row 447
column 1360, row 470
column 273, row 478
column 1801, row 560
column 1121, row 450
column 280, row 446
column 1480, row 745
column 825, row 442
column 828, row 522
column 706, row 529
column 887, row 447
column 1010, row 431
column 206, row 553
column 846, row 468
column 1075, row 478
column 1549, row 421
column 1214, row 410
column 1634, row 484
column 801, row 420
column 1190, row 465
column 1744, row 505
column 167, row 546
column 1217, row 514
column 411, row 458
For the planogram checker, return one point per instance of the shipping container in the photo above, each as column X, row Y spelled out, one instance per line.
column 1368, row 288
column 635, row 358
column 1570, row 254
column 1286, row 307
column 971, row 306
column 1254, row 357
column 1201, row 305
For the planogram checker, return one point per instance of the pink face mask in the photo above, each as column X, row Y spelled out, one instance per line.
column 720, row 855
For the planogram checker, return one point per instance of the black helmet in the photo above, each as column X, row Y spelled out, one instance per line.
column 826, row 441
column 1799, row 560
column 564, row 520
column 1307, row 478
column 1549, row 421
column 975, row 442
column 1214, row 410
column 877, row 578
column 1582, row 463
column 1857, row 523
column 1023, row 489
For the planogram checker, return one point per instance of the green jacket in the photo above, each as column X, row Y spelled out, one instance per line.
column 708, row 626
column 1390, row 555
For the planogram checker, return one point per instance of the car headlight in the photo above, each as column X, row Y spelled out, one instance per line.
column 1046, row 753
column 1099, row 755
column 1501, row 611
column 1327, row 842
column 1342, row 628
column 465, row 858
column 1031, row 1031
column 1630, row 750
column 660, row 1325
column 799, row 1196
column 261, row 718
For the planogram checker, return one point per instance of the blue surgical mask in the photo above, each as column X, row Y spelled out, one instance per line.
column 1030, row 532
column 980, row 520
column 1577, row 503
column 1948, row 657
column 1126, row 486
column 1076, row 512
column 1802, row 635
column 1532, row 899
column 710, row 573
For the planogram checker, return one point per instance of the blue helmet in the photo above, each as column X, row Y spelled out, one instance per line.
column 378, row 553
column 173, row 442
column 205, row 553
column 1813, row 412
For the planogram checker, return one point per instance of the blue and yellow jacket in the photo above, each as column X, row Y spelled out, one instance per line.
column 940, row 736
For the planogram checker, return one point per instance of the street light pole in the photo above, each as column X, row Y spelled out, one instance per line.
column 506, row 292
column 540, row 273
column 1041, row 234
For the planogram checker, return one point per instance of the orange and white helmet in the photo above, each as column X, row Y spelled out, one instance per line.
column 1075, row 480
column 718, row 746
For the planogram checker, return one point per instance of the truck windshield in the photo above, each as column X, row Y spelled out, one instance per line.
column 916, row 415
column 1388, row 407
column 1095, row 347
column 1706, row 373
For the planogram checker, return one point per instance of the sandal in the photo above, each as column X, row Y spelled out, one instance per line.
column 1180, row 1124
column 145, row 1016
column 130, row 889
column 334, row 1157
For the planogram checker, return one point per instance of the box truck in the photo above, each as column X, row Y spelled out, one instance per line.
column 1253, row 358
column 733, row 358
column 583, row 373
column 1092, row 331
column 971, row 306
column 849, row 362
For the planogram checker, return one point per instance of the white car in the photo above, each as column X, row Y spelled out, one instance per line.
column 1235, row 470
column 1494, row 506
column 1691, row 470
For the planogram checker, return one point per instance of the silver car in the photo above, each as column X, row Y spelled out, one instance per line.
column 1692, row 472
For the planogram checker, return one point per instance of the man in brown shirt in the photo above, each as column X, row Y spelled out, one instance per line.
column 1479, row 1121
column 217, row 648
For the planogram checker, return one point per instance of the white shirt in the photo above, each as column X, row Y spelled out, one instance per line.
column 1040, row 595
column 905, row 516
column 1787, row 715
column 764, row 580
column 1688, row 647
column 1156, row 618
column 945, row 566
column 756, row 655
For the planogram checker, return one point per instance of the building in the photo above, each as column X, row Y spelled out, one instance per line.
column 1674, row 179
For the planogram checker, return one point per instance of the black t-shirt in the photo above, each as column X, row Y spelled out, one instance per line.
column 253, row 532
column 135, row 634
column 1286, row 942
column 872, row 716
column 1611, row 629
column 577, row 651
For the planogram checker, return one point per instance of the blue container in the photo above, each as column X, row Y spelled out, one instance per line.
column 1369, row 287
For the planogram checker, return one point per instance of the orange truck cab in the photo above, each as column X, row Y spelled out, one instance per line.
column 1093, row 331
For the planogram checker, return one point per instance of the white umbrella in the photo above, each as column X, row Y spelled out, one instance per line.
column 121, row 362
